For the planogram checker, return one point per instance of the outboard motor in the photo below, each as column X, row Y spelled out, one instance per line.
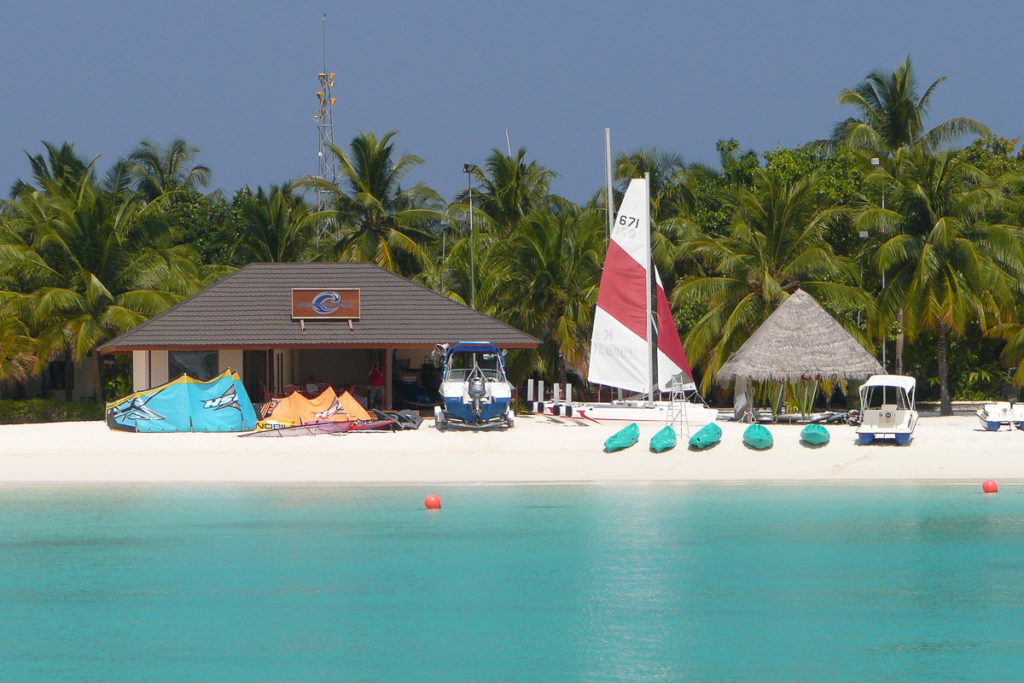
column 477, row 391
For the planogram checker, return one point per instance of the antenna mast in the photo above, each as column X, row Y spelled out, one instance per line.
column 327, row 168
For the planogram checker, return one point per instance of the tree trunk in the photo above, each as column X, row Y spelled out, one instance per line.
column 945, row 404
column 899, row 342
column 69, row 375
column 97, row 377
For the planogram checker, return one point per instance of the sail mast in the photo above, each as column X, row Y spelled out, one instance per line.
column 650, row 266
column 608, row 179
column 610, row 197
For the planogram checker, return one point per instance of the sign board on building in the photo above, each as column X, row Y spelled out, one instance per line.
column 318, row 304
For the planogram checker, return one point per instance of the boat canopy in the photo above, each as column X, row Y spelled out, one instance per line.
column 472, row 347
column 902, row 383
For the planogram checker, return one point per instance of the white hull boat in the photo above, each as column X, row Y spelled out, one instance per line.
column 1002, row 413
column 887, row 409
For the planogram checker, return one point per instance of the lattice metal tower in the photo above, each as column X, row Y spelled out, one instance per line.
column 327, row 168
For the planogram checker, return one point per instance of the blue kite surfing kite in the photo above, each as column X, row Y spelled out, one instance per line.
column 186, row 405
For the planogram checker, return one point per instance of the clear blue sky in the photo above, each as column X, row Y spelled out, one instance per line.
column 237, row 79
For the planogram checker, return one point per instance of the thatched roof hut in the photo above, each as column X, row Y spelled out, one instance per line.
column 800, row 340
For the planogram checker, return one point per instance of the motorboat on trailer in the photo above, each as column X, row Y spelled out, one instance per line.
column 475, row 392
column 887, row 409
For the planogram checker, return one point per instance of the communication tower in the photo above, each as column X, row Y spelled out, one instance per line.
column 327, row 167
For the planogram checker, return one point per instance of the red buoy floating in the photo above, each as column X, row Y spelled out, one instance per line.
column 989, row 486
column 432, row 502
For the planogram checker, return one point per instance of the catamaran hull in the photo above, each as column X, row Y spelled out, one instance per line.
column 867, row 438
column 628, row 411
column 869, row 433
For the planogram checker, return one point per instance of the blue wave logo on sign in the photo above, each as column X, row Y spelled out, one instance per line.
column 326, row 302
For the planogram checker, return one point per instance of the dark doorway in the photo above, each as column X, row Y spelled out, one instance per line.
column 255, row 375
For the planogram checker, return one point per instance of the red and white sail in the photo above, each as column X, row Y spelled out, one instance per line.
column 620, row 351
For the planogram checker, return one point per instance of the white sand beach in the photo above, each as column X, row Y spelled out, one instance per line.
column 537, row 450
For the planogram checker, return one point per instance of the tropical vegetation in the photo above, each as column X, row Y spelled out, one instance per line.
column 913, row 243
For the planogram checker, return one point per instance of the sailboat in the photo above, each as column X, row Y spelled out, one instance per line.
column 633, row 347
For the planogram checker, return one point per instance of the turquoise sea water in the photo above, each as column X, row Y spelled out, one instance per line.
column 539, row 583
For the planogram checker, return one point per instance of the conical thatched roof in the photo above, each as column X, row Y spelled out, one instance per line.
column 800, row 340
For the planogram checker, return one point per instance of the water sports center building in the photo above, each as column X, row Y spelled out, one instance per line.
column 283, row 325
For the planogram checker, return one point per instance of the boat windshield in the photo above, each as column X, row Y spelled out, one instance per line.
column 881, row 396
column 460, row 365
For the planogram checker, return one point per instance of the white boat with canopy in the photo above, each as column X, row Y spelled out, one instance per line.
column 887, row 409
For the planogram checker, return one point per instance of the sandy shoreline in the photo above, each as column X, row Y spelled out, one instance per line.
column 537, row 450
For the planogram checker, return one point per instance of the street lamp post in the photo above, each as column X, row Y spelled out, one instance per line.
column 468, row 170
column 444, row 264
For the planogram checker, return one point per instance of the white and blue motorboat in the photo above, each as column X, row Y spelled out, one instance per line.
column 887, row 409
column 474, row 390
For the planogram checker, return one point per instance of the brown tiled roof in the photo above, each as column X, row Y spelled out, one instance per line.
column 251, row 308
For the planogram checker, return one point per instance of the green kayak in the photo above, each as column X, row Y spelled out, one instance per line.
column 757, row 437
column 814, row 435
column 706, row 437
column 624, row 438
column 663, row 440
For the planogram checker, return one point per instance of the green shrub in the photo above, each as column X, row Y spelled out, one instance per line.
column 47, row 410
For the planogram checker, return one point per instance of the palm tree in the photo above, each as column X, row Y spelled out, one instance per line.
column 278, row 227
column 377, row 220
column 946, row 265
column 157, row 172
column 60, row 168
column 676, row 202
column 16, row 345
column 448, row 269
column 506, row 191
column 670, row 193
column 891, row 123
column 89, row 265
column 777, row 242
column 544, row 282
column 892, row 115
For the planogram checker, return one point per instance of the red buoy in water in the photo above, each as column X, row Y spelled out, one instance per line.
column 432, row 502
column 989, row 486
